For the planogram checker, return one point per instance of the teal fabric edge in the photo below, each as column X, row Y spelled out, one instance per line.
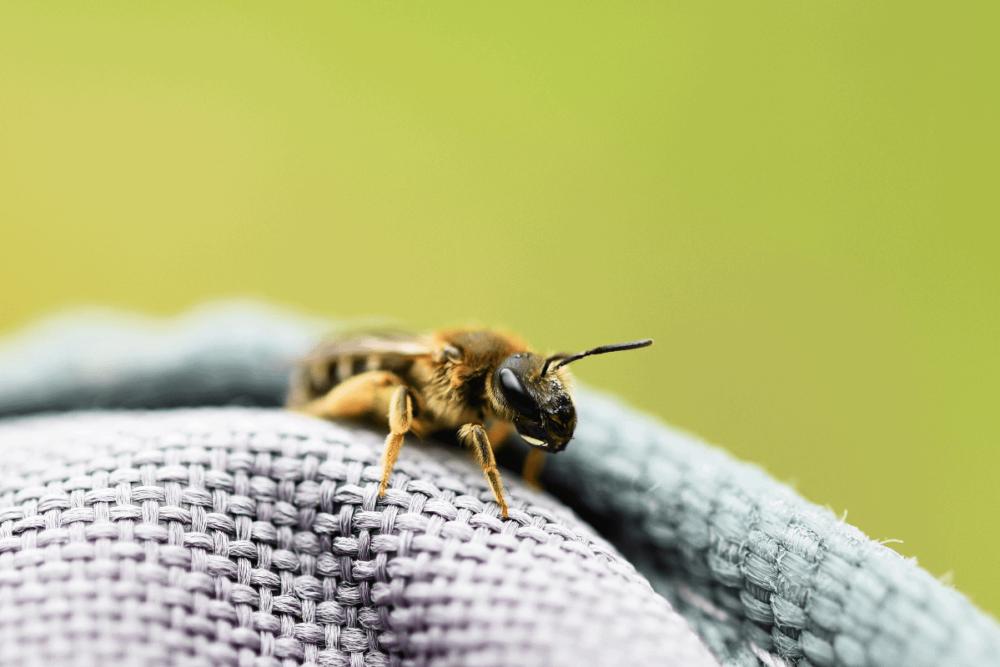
column 758, row 570
column 764, row 576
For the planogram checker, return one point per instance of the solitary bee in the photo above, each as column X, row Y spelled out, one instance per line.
column 462, row 379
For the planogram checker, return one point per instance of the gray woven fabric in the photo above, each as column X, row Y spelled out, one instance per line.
column 763, row 575
column 256, row 537
column 222, row 354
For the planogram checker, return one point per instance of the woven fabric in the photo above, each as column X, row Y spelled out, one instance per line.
column 256, row 537
column 764, row 576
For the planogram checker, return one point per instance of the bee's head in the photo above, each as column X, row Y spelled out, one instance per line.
column 531, row 391
column 538, row 404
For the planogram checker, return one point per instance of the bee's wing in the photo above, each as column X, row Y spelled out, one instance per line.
column 381, row 344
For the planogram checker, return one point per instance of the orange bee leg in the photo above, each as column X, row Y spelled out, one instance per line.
column 371, row 394
column 400, row 422
column 498, row 433
column 474, row 436
column 364, row 395
column 531, row 471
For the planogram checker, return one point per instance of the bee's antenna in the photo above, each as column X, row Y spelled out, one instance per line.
column 564, row 359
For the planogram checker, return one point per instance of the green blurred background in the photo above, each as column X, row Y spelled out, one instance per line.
column 798, row 200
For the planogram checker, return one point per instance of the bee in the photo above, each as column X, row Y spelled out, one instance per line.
column 482, row 383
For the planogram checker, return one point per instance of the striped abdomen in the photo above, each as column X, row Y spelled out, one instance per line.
column 316, row 376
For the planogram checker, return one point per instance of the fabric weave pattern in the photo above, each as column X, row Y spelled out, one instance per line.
column 764, row 576
column 758, row 570
column 256, row 537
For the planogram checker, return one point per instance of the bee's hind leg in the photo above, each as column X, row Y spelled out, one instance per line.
column 400, row 422
column 364, row 395
column 474, row 435
column 378, row 394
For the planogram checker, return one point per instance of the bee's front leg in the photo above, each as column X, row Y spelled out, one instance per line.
column 531, row 472
column 499, row 432
column 474, row 436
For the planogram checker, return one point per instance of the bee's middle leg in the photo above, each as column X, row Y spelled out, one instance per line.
column 474, row 435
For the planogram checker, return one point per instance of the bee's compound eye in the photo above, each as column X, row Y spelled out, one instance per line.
column 514, row 393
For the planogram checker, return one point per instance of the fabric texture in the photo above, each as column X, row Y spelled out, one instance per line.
column 762, row 575
column 256, row 537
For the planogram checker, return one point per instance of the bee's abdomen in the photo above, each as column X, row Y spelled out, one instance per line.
column 322, row 376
